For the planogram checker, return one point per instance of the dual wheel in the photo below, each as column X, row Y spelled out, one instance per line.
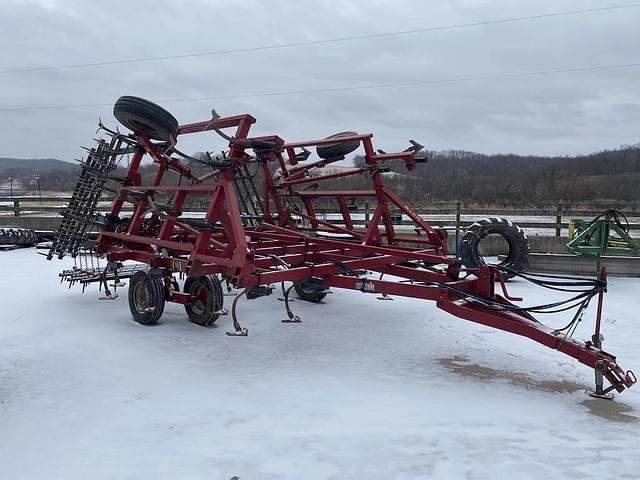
column 147, row 296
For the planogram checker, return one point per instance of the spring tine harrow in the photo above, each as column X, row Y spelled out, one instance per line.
column 80, row 216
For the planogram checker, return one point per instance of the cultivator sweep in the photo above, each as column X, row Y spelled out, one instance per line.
column 262, row 228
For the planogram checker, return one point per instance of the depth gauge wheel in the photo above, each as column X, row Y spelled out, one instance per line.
column 146, row 118
column 146, row 297
column 518, row 256
column 309, row 292
column 206, row 299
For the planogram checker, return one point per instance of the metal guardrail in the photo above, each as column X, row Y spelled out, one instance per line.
column 35, row 205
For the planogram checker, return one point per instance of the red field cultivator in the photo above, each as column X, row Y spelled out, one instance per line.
column 262, row 228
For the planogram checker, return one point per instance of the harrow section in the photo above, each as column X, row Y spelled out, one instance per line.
column 262, row 228
column 80, row 215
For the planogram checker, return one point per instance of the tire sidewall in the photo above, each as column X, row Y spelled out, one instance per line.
column 518, row 256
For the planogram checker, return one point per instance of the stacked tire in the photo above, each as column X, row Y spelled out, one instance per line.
column 516, row 259
column 22, row 237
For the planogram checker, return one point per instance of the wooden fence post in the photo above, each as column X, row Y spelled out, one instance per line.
column 366, row 214
column 559, row 220
column 457, row 229
column 16, row 208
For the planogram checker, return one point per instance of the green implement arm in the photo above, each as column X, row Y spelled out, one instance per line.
column 606, row 234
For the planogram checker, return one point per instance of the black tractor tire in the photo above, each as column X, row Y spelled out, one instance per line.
column 26, row 236
column 333, row 150
column 146, row 118
column 307, row 293
column 518, row 256
column 146, row 297
column 208, row 300
column 217, row 283
column 23, row 237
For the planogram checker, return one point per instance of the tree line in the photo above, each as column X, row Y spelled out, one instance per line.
column 447, row 175
column 456, row 175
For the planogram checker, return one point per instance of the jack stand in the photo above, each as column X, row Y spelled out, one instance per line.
column 239, row 331
column 597, row 339
column 600, row 391
column 292, row 318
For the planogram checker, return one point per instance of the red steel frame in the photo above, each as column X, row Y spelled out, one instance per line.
column 250, row 257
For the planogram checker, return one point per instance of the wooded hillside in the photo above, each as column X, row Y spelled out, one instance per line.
column 448, row 175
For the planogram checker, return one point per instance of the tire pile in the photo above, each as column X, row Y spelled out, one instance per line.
column 21, row 237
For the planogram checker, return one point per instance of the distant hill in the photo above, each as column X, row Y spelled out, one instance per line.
column 24, row 167
column 456, row 174
column 607, row 174
column 54, row 174
column 448, row 175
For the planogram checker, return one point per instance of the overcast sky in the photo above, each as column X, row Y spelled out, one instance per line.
column 565, row 113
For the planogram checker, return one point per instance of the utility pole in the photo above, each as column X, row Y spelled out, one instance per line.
column 11, row 183
column 37, row 178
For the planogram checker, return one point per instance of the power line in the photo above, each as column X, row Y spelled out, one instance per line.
column 320, row 42
column 350, row 88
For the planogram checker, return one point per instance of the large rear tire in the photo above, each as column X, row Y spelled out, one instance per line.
column 145, row 118
column 518, row 256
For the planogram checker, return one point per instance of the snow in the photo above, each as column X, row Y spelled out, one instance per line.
column 362, row 389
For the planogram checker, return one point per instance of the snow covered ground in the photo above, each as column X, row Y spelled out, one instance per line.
column 363, row 389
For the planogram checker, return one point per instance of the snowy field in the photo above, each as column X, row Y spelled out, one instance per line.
column 363, row 389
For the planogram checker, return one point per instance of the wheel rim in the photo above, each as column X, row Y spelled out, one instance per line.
column 311, row 290
column 142, row 127
column 141, row 297
column 199, row 302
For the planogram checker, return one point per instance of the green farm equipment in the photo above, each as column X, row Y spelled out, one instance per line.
column 607, row 234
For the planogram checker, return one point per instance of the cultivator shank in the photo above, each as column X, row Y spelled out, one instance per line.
column 262, row 227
